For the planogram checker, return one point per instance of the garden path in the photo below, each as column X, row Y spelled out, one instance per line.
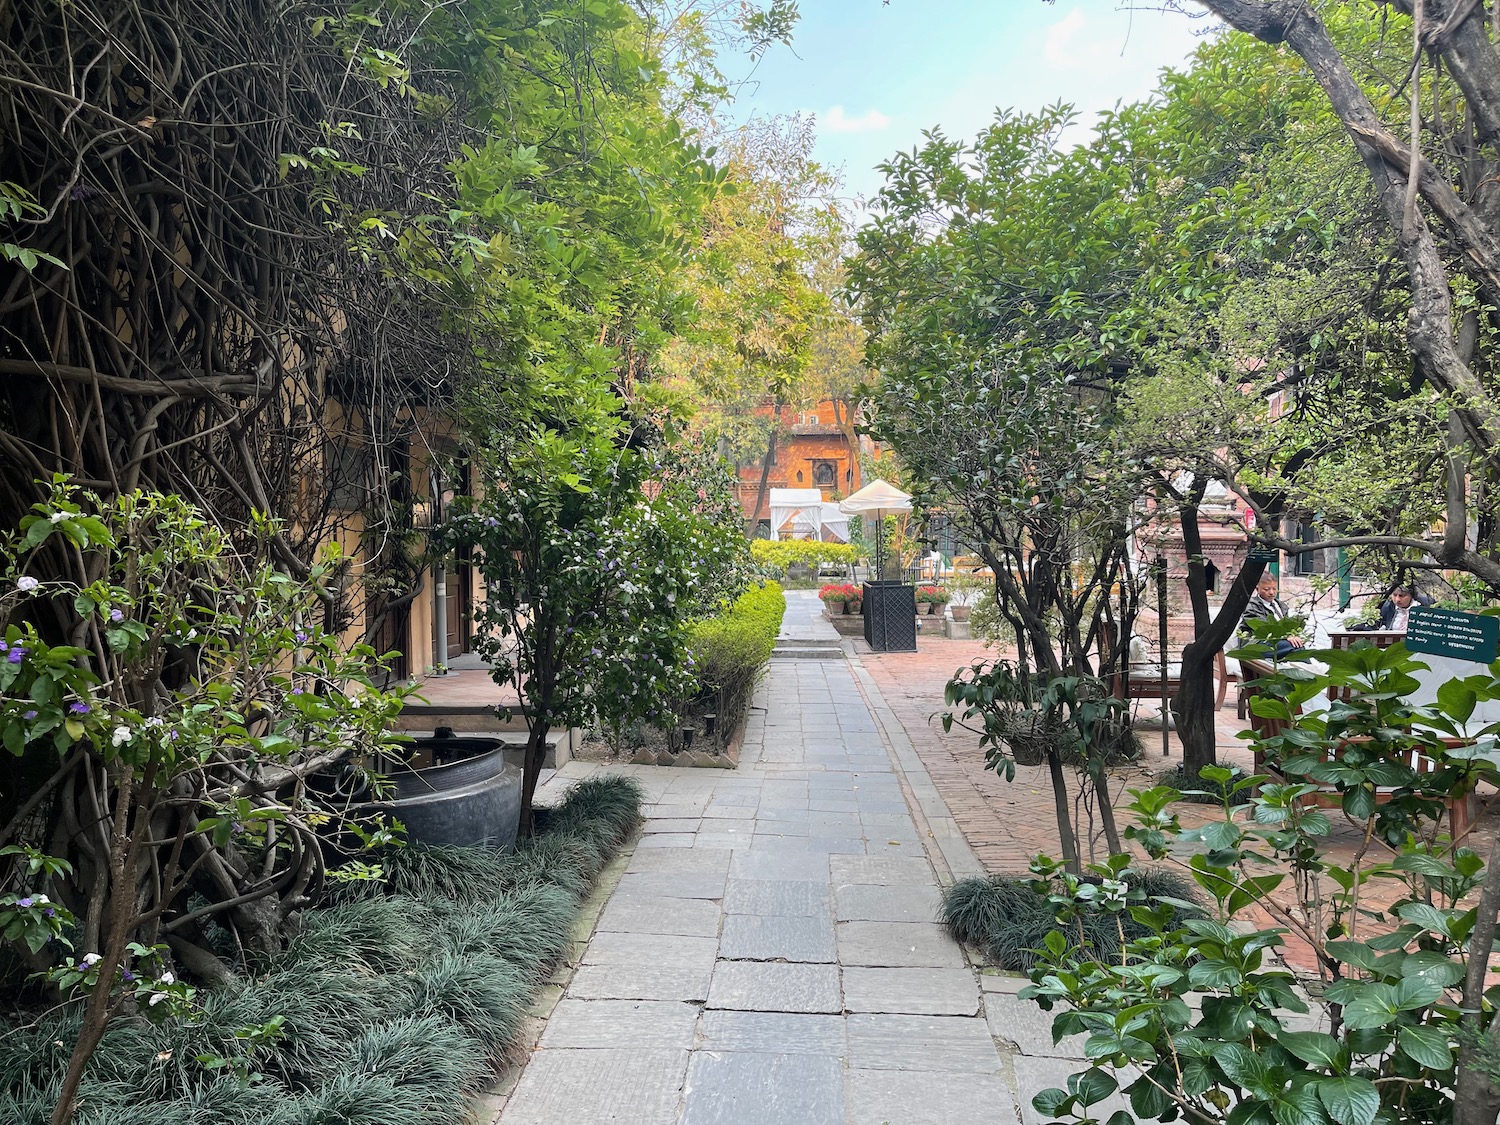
column 770, row 956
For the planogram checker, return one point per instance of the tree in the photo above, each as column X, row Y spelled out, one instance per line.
column 595, row 557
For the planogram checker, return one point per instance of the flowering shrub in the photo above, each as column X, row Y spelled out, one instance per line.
column 194, row 696
column 932, row 595
column 839, row 592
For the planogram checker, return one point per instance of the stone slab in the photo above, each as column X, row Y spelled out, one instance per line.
column 863, row 903
column 763, row 937
column 744, row 1088
column 614, row 948
column 772, row 1032
column 762, row 986
column 776, row 896
column 897, row 945
column 796, row 866
column 674, row 884
column 660, row 980
column 914, row 1097
column 679, row 859
column 653, row 914
column 624, row 1024
column 880, row 871
column 1028, row 1028
column 952, row 1044
column 607, row 1087
column 929, row 992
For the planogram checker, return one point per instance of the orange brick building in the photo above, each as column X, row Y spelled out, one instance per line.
column 812, row 451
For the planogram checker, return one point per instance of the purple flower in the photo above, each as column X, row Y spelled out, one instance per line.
column 126, row 975
column 79, row 708
column 16, row 655
column 27, row 901
column 29, row 715
column 296, row 691
column 301, row 637
column 116, row 616
column 49, row 912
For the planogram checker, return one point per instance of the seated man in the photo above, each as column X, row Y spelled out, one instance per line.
column 1265, row 604
column 1397, row 608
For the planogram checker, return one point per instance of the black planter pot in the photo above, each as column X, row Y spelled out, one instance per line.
column 471, row 798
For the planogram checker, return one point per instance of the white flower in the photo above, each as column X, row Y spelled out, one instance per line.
column 89, row 960
column 156, row 998
column 57, row 517
column 120, row 736
column 41, row 898
column 26, row 584
column 167, row 978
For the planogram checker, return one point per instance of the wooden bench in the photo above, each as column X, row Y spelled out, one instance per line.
column 1461, row 810
column 1144, row 681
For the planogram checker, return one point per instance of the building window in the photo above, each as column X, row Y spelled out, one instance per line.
column 825, row 473
column 807, row 420
column 1309, row 563
column 799, row 476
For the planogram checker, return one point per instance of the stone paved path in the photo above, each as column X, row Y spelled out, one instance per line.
column 770, row 955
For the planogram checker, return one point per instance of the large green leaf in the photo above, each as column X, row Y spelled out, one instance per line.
column 1350, row 1101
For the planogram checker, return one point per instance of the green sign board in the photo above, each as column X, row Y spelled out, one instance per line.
column 1263, row 554
column 1451, row 632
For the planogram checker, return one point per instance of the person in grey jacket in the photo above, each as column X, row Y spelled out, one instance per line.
column 1265, row 604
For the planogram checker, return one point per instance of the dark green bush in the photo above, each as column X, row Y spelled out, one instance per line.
column 1008, row 920
column 396, row 1000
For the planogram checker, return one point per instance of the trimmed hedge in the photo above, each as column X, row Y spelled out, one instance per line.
column 729, row 651
column 397, row 1000
column 784, row 552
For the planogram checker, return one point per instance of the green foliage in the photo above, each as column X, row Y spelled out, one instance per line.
column 782, row 553
column 729, row 651
column 1399, row 1005
column 391, row 1007
column 595, row 557
column 1010, row 918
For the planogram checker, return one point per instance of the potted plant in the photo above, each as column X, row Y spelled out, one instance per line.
column 964, row 589
column 834, row 595
column 856, row 602
column 929, row 598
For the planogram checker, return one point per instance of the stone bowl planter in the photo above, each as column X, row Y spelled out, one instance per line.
column 473, row 798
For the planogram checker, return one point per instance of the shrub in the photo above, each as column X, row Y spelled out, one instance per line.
column 1201, row 790
column 729, row 651
column 839, row 592
column 783, row 553
column 393, row 1003
column 1009, row 919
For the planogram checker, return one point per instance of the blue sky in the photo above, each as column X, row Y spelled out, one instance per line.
column 875, row 75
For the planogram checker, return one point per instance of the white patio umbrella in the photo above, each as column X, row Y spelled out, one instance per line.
column 878, row 497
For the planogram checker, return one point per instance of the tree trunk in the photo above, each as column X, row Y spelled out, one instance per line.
column 843, row 414
column 1195, row 718
column 1476, row 1101
column 531, row 769
column 765, row 475
column 1065, row 835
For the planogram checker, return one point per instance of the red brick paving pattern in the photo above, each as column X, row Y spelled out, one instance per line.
column 1006, row 823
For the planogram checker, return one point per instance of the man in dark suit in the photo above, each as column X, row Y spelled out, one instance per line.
column 1397, row 608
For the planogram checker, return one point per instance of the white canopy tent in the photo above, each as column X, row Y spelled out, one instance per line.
column 832, row 523
column 798, row 511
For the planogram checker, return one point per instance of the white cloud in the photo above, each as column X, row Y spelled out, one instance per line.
column 1060, row 48
column 836, row 121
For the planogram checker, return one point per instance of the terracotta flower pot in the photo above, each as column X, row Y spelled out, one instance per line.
column 960, row 612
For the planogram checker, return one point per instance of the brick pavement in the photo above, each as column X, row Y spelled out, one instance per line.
column 1005, row 823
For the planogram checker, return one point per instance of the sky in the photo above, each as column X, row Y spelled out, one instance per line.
column 875, row 74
